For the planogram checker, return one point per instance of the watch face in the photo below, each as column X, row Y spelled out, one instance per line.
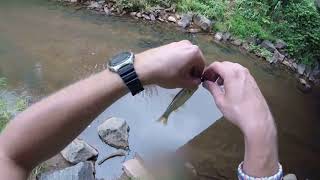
column 119, row 58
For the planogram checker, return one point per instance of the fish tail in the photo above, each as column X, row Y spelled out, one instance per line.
column 164, row 118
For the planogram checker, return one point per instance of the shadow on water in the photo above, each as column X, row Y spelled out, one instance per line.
column 44, row 47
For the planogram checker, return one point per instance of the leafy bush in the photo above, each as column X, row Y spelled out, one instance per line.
column 300, row 28
column 135, row 5
column 249, row 19
column 244, row 28
column 214, row 9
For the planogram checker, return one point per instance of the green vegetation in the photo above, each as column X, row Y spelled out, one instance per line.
column 213, row 9
column 5, row 115
column 135, row 5
column 297, row 22
column 36, row 171
column 260, row 51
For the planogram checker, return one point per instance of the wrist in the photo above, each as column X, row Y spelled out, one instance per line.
column 261, row 151
column 259, row 126
column 142, row 70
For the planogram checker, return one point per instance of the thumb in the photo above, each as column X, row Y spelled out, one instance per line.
column 215, row 91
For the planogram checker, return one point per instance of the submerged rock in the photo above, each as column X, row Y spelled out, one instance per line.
column 202, row 22
column 185, row 20
column 78, row 151
column 290, row 177
column 304, row 86
column 114, row 132
column 268, row 45
column 218, row 36
column 194, row 30
column 190, row 168
column 119, row 152
column 81, row 171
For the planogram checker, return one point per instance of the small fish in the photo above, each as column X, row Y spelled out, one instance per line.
column 177, row 101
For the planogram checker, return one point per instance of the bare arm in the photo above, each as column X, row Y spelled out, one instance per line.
column 48, row 126
column 243, row 104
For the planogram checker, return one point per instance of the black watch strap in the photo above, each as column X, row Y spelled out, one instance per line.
column 130, row 78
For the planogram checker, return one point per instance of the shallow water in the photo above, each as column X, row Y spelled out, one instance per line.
column 44, row 47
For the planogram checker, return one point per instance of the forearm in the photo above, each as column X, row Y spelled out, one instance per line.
column 48, row 126
column 261, row 154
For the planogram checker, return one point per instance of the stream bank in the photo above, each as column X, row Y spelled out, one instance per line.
column 274, row 53
column 45, row 47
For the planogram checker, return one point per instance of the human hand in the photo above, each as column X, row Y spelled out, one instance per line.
column 176, row 65
column 241, row 101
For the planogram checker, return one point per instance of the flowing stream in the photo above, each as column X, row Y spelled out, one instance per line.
column 44, row 47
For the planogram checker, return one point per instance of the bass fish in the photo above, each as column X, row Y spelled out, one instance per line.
column 177, row 101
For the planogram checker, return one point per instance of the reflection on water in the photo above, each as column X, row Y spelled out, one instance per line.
column 44, row 47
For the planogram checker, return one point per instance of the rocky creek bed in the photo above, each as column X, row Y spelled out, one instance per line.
column 273, row 52
column 45, row 47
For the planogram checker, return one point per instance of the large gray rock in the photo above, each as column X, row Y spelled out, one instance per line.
column 172, row 19
column 78, row 151
column 94, row 5
column 202, row 22
column 185, row 20
column 304, row 86
column 218, row 36
column 236, row 42
column 114, row 132
column 268, row 45
column 277, row 56
column 280, row 44
column 81, row 171
column 226, row 36
column 301, row 68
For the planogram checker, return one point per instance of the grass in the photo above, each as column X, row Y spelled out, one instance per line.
column 5, row 115
column 213, row 9
column 20, row 105
column 36, row 171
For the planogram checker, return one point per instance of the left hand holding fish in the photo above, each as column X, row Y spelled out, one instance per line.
column 176, row 65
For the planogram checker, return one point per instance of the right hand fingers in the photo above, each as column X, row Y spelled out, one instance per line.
column 215, row 91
